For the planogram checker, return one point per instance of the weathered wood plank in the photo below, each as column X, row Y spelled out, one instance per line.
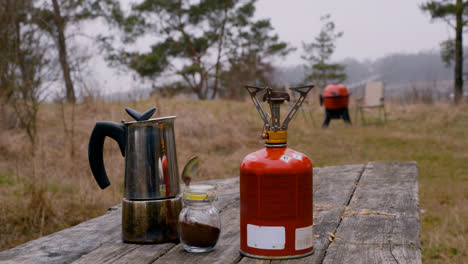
column 110, row 252
column 406, row 254
column 381, row 224
column 118, row 252
column 385, row 202
column 246, row 260
column 367, row 254
column 372, row 253
column 71, row 244
column 226, row 191
column 227, row 249
column 333, row 187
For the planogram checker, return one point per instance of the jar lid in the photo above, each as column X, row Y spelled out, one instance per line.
column 200, row 192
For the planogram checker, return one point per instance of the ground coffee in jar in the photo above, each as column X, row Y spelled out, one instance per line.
column 199, row 235
column 199, row 220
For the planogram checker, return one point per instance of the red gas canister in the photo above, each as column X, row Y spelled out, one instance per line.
column 276, row 218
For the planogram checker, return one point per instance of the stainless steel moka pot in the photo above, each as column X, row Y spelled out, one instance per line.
column 151, row 200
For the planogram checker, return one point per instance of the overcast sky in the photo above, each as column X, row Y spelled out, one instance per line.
column 372, row 29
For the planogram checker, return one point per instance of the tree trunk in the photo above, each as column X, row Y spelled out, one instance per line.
column 203, row 90
column 70, row 91
column 458, row 78
column 220, row 49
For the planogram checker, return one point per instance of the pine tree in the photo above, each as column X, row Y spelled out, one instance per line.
column 455, row 14
column 318, row 56
column 188, row 34
column 251, row 45
column 194, row 40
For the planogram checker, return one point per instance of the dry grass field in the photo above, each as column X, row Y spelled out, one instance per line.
column 54, row 189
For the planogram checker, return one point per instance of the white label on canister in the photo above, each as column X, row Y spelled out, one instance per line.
column 304, row 237
column 285, row 158
column 266, row 237
column 298, row 157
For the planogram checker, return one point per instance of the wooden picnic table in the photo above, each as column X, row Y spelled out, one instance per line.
column 365, row 213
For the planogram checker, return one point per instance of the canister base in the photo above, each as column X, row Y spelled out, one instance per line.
column 150, row 221
column 277, row 257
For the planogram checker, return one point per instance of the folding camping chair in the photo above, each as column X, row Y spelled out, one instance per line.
column 373, row 98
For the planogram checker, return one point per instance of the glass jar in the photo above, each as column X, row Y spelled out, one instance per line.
column 199, row 220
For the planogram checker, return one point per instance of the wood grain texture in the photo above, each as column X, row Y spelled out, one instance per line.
column 246, row 260
column 375, row 222
column 372, row 253
column 382, row 221
column 111, row 252
column 118, row 252
column 333, row 187
column 100, row 236
column 227, row 249
column 69, row 244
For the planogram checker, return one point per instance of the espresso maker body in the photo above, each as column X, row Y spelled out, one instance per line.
column 151, row 198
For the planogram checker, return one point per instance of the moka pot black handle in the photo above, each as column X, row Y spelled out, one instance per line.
column 100, row 131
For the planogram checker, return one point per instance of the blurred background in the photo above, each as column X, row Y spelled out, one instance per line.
column 66, row 64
